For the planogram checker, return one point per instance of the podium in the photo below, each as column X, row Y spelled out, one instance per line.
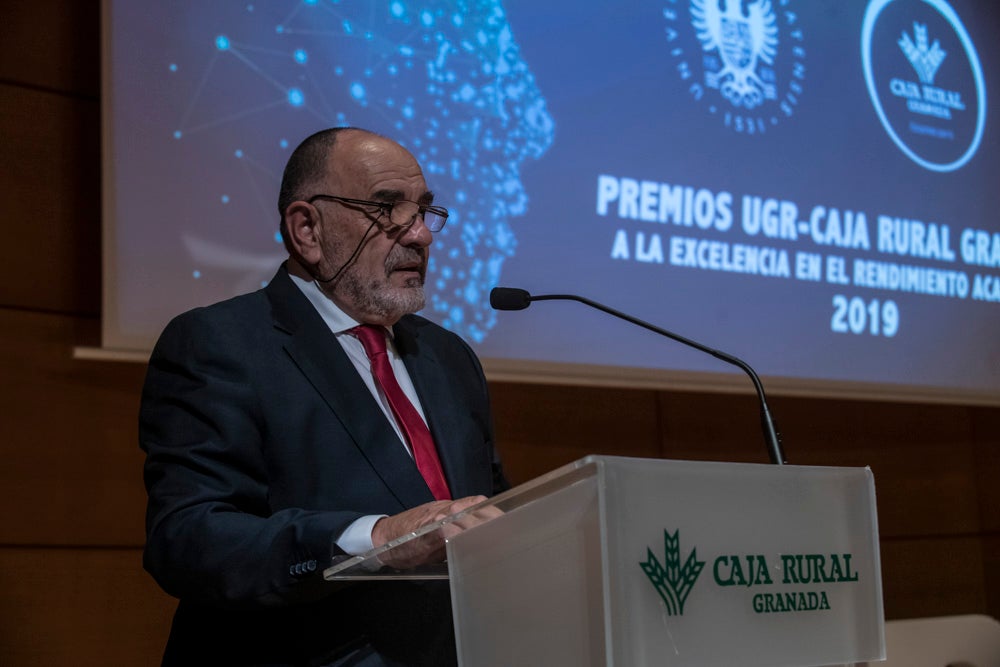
column 625, row 562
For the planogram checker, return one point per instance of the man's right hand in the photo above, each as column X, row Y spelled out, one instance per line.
column 429, row 548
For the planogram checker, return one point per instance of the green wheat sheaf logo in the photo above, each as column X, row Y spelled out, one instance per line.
column 672, row 582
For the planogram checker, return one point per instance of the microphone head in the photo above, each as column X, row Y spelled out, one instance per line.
column 509, row 298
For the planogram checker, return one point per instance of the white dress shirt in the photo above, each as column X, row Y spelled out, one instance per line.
column 357, row 538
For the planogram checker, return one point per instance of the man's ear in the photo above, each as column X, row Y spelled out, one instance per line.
column 304, row 232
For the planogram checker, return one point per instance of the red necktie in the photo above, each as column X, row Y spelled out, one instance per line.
column 409, row 420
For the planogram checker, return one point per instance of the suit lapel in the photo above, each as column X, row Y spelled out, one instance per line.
column 438, row 401
column 315, row 351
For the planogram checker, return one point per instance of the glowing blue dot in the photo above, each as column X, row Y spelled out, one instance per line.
column 427, row 18
column 225, row 199
column 408, row 111
column 173, row 67
column 300, row 56
column 222, row 43
column 396, row 9
column 296, row 98
column 277, row 237
column 279, row 28
column 283, row 143
column 196, row 274
column 177, row 134
column 263, row 283
column 238, row 152
column 338, row 70
column 348, row 29
column 457, row 20
column 357, row 91
column 310, row 2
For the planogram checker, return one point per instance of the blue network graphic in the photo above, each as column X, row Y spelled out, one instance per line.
column 446, row 79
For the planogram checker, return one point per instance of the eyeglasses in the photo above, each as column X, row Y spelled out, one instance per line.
column 401, row 213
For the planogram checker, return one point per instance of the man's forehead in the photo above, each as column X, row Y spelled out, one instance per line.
column 375, row 164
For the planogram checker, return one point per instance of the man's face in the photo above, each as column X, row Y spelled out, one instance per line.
column 385, row 280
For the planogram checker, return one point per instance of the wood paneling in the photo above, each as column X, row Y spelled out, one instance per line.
column 52, row 44
column 922, row 457
column 72, row 469
column 50, row 201
column 933, row 577
column 80, row 607
column 541, row 427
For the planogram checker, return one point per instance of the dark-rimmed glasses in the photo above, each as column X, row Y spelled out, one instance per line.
column 401, row 213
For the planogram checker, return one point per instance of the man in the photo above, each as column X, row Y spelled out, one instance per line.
column 273, row 441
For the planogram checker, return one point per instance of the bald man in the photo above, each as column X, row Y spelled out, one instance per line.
column 316, row 417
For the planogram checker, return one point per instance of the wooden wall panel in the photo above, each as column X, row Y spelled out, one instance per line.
column 711, row 427
column 541, row 427
column 922, row 457
column 934, row 577
column 68, row 438
column 52, row 44
column 80, row 607
column 986, row 436
column 50, row 201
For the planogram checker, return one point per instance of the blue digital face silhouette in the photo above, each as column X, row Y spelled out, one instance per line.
column 445, row 79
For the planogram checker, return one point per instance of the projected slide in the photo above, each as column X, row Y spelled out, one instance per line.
column 811, row 186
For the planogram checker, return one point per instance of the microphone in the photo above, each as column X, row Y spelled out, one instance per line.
column 512, row 298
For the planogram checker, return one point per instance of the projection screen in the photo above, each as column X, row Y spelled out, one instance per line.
column 811, row 186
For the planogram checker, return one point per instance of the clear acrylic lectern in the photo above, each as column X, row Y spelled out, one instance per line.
column 624, row 562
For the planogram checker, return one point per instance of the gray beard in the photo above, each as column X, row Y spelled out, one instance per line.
column 376, row 298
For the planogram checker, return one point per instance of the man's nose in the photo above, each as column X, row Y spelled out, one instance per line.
column 417, row 234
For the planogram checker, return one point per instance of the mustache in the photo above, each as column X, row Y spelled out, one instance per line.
column 403, row 256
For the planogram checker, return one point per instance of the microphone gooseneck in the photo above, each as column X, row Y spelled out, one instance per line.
column 512, row 298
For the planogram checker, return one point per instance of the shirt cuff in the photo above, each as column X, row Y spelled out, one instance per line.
column 357, row 537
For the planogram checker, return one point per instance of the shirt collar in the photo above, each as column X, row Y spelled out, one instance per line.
column 335, row 318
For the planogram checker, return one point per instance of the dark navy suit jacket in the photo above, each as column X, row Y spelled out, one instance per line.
column 262, row 445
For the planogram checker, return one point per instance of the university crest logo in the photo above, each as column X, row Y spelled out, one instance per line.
column 745, row 41
column 671, row 580
column 741, row 59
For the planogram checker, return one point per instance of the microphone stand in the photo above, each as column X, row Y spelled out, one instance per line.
column 771, row 438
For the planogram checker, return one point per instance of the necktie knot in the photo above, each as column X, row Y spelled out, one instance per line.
column 372, row 338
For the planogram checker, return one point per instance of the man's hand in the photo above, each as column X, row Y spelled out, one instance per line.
column 428, row 548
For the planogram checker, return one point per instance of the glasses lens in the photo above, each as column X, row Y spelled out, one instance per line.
column 434, row 221
column 404, row 214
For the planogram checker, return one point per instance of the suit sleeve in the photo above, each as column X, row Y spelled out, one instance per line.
column 211, row 536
